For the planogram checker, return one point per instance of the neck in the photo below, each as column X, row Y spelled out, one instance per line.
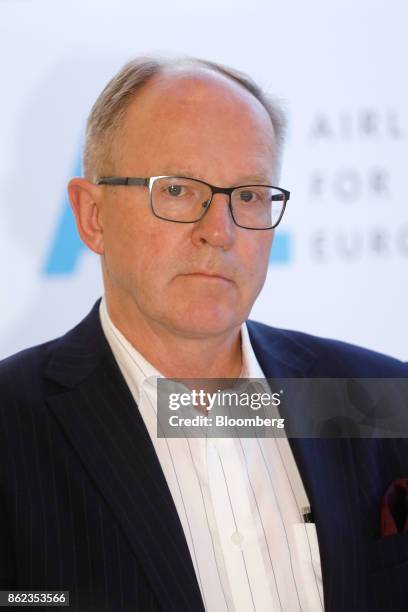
column 176, row 355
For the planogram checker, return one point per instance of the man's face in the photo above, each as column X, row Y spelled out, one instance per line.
column 195, row 279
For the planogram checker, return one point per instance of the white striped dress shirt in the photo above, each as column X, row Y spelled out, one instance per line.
column 239, row 501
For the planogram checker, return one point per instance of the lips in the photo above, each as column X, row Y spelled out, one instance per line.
column 206, row 274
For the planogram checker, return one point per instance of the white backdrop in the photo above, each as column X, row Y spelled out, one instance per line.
column 339, row 267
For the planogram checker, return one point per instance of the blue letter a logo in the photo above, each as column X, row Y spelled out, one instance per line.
column 66, row 246
column 282, row 247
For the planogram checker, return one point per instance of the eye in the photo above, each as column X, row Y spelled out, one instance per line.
column 247, row 196
column 175, row 190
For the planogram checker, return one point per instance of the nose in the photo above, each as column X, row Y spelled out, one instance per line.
column 217, row 227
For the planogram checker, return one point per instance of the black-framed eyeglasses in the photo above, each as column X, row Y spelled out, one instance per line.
column 186, row 200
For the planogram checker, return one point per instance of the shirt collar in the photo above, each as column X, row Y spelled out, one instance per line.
column 250, row 364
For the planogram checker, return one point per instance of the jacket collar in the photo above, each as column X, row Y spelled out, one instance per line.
column 76, row 354
column 280, row 355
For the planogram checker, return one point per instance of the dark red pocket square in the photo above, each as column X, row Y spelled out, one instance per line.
column 394, row 508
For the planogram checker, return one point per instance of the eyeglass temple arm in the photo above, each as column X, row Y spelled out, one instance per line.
column 119, row 180
column 278, row 197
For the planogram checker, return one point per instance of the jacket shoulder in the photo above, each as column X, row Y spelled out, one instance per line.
column 21, row 373
column 330, row 357
column 63, row 357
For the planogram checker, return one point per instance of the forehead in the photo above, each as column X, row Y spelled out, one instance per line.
column 186, row 116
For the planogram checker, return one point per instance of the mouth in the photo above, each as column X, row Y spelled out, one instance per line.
column 204, row 275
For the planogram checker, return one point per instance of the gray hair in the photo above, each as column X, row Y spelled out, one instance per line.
column 108, row 112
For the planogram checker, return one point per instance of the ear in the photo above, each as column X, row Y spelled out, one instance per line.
column 85, row 198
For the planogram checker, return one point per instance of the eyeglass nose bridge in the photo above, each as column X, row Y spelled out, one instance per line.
column 214, row 190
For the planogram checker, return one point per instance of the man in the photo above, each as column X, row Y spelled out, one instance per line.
column 92, row 500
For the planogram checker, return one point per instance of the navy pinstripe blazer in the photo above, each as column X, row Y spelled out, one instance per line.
column 84, row 505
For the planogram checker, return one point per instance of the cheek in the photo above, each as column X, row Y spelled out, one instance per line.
column 121, row 246
column 255, row 257
column 265, row 245
column 121, row 238
column 149, row 254
column 154, row 257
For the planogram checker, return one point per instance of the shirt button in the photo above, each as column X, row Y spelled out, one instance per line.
column 237, row 538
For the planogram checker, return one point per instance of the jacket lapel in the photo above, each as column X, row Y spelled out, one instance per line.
column 101, row 419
